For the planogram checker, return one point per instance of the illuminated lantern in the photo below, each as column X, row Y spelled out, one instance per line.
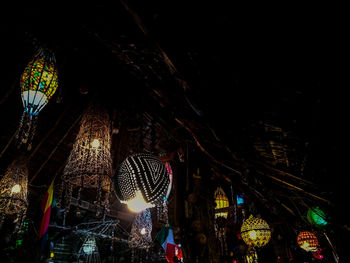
column 307, row 241
column 317, row 217
column 222, row 203
column 141, row 181
column 38, row 83
column 14, row 191
column 89, row 164
column 255, row 232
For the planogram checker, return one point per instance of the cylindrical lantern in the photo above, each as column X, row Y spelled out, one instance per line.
column 307, row 241
column 255, row 232
column 141, row 182
column 38, row 83
column 316, row 217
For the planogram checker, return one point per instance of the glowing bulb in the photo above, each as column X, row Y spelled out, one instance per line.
column 252, row 234
column 143, row 231
column 16, row 189
column 52, row 255
column 95, row 143
column 137, row 204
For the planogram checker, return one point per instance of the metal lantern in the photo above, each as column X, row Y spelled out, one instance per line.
column 38, row 83
column 13, row 192
column 255, row 232
column 316, row 217
column 222, row 203
column 141, row 182
column 141, row 230
column 90, row 164
column 307, row 241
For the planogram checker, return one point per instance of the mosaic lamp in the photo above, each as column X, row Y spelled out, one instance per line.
column 222, row 203
column 38, row 84
column 255, row 232
column 141, row 181
column 316, row 217
column 307, row 241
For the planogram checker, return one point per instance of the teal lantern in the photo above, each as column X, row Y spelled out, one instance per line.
column 316, row 217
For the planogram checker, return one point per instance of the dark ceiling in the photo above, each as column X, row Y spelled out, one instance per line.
column 251, row 88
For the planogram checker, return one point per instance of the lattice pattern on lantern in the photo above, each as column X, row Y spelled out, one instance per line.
column 14, row 190
column 255, row 232
column 90, row 164
column 89, row 250
column 38, row 83
column 307, row 241
column 141, row 181
column 140, row 234
column 222, row 203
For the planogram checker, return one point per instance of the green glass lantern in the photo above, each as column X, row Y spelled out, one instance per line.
column 316, row 217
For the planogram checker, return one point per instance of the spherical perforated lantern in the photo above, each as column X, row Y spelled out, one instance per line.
column 141, row 181
column 255, row 232
column 317, row 217
column 307, row 241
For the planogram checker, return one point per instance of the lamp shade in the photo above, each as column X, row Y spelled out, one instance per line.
column 38, row 82
column 316, row 217
column 141, row 181
column 255, row 232
column 307, row 241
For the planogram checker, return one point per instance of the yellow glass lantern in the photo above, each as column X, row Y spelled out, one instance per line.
column 255, row 232
column 307, row 241
column 222, row 203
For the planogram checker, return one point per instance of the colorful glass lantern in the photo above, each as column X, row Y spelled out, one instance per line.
column 222, row 203
column 316, row 217
column 141, row 181
column 255, row 232
column 240, row 200
column 89, row 164
column 13, row 192
column 38, row 83
column 307, row 241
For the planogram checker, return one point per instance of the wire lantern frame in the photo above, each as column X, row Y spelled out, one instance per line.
column 89, row 164
column 14, row 192
column 255, row 232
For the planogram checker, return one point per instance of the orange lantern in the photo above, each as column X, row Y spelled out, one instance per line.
column 307, row 241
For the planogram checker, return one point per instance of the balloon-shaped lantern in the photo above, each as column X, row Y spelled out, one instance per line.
column 316, row 217
column 141, row 182
column 255, row 232
column 307, row 241
column 38, row 83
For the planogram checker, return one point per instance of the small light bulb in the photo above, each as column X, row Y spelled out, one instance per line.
column 95, row 143
column 16, row 189
column 143, row 231
column 252, row 234
column 138, row 204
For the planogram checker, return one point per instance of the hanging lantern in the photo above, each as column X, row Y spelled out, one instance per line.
column 141, row 182
column 140, row 235
column 222, row 203
column 316, row 217
column 38, row 83
column 90, row 164
column 255, row 232
column 307, row 241
column 13, row 192
column 89, row 250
